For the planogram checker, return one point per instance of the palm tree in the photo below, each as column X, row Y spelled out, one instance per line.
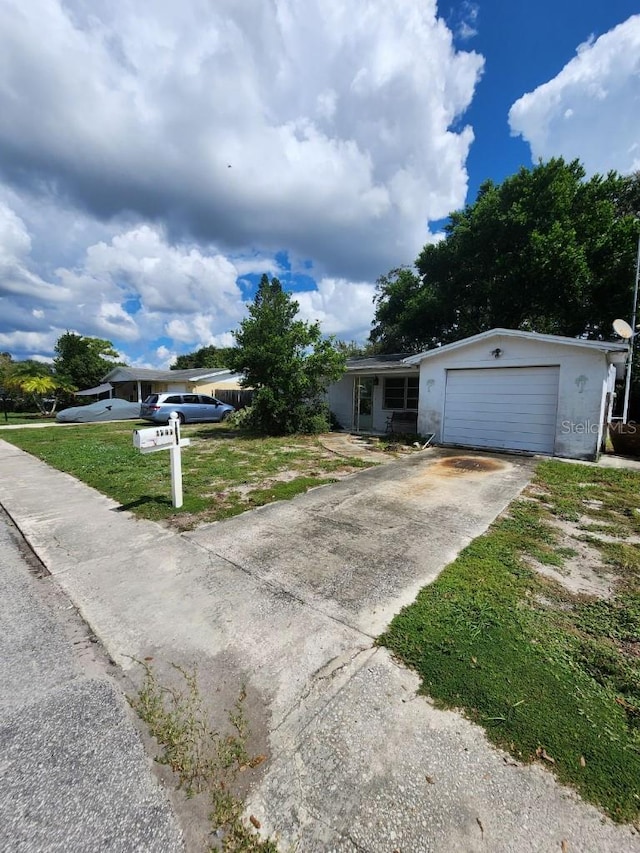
column 37, row 381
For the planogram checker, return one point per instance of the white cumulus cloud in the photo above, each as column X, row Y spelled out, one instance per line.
column 343, row 308
column 153, row 158
column 591, row 109
column 296, row 124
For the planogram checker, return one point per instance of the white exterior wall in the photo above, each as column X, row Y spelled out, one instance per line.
column 340, row 400
column 584, row 380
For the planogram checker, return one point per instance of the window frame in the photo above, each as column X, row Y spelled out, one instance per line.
column 406, row 395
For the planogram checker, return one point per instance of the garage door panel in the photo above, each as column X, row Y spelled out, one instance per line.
column 507, row 408
column 516, row 391
column 458, row 407
column 537, row 405
column 505, row 430
column 528, row 403
column 515, row 384
column 503, row 434
column 502, row 440
column 547, row 419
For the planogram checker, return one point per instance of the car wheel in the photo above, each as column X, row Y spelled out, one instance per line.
column 225, row 415
column 181, row 418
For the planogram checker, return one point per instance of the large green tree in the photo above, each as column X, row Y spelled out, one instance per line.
column 210, row 356
column 83, row 361
column 546, row 250
column 286, row 361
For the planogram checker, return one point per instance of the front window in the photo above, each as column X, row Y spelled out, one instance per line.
column 401, row 392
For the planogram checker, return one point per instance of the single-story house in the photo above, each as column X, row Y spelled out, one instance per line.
column 503, row 389
column 136, row 383
column 512, row 390
column 371, row 390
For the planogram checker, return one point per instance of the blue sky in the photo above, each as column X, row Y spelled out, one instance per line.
column 155, row 161
column 525, row 44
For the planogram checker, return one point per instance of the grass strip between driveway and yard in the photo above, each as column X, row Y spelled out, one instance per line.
column 224, row 472
column 551, row 674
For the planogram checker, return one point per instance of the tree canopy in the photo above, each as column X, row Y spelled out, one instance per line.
column 210, row 356
column 82, row 361
column 545, row 251
column 286, row 361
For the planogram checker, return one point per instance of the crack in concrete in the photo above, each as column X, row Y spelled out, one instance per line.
column 315, row 679
column 280, row 589
column 340, row 833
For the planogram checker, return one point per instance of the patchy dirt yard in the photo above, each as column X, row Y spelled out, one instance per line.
column 225, row 472
column 243, row 473
column 595, row 531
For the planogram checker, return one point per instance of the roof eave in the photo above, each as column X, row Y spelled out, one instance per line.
column 603, row 346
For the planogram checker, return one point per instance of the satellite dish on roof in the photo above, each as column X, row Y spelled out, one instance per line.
column 622, row 328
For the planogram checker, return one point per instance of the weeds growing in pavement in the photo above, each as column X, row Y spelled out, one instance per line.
column 204, row 760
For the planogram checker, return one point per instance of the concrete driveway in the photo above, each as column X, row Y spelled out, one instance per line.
column 361, row 549
column 287, row 599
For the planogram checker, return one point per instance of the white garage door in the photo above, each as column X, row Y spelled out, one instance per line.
column 513, row 408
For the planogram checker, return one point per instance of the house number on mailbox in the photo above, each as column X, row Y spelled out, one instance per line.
column 165, row 438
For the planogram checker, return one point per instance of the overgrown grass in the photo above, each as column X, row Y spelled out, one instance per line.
column 550, row 675
column 224, row 473
column 203, row 760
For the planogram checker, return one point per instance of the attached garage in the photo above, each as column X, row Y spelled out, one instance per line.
column 504, row 407
column 520, row 391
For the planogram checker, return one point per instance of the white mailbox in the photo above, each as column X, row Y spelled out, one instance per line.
column 165, row 438
column 154, row 438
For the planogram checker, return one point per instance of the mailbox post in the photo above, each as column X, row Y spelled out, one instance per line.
column 176, row 462
column 165, row 438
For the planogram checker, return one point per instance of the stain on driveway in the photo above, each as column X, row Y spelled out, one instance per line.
column 360, row 549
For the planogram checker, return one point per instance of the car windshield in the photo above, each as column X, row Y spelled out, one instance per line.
column 152, row 398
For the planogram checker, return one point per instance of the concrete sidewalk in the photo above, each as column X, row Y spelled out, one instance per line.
column 287, row 599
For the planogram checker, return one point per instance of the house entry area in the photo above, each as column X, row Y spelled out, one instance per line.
column 363, row 403
column 513, row 408
column 384, row 404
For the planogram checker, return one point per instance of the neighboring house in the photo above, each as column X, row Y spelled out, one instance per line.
column 136, row 383
column 511, row 390
column 371, row 390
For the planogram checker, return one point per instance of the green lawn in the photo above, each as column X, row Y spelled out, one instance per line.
column 16, row 418
column 223, row 473
column 551, row 675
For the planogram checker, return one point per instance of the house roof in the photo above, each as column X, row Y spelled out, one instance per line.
column 603, row 346
column 377, row 363
column 144, row 374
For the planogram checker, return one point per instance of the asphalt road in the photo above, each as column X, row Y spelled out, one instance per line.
column 73, row 773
